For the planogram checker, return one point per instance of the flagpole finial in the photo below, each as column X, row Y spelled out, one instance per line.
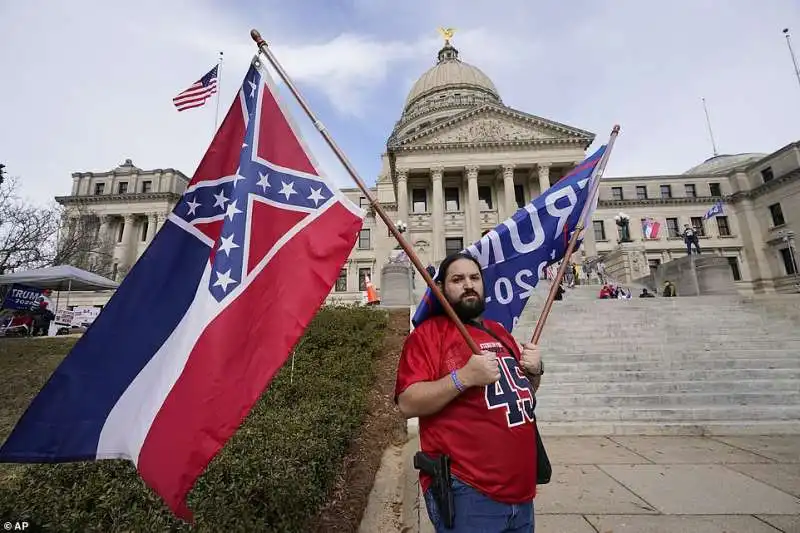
column 257, row 37
column 616, row 128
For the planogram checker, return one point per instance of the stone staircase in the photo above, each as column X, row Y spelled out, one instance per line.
column 662, row 366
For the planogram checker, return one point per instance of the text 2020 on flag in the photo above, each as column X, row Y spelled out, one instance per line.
column 205, row 319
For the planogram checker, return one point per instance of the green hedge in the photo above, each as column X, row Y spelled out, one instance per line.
column 272, row 475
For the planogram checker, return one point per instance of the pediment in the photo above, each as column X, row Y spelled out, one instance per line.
column 493, row 125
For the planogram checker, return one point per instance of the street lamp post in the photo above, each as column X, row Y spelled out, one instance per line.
column 623, row 221
column 787, row 236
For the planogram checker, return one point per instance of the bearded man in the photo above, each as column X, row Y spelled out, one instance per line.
column 478, row 410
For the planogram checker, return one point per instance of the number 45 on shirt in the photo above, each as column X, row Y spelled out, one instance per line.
column 513, row 392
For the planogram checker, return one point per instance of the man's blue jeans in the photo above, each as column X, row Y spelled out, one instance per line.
column 475, row 513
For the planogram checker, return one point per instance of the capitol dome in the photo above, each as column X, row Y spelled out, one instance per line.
column 724, row 163
column 447, row 88
column 450, row 73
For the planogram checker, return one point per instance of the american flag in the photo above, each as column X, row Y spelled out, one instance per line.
column 197, row 94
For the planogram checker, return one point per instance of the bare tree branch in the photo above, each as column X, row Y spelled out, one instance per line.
column 33, row 236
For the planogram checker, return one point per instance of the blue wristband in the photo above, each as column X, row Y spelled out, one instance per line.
column 458, row 384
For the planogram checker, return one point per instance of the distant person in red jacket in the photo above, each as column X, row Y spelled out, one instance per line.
column 476, row 409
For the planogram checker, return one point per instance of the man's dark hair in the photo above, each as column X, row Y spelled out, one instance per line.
column 444, row 266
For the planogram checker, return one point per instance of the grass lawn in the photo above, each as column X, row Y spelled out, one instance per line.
column 290, row 467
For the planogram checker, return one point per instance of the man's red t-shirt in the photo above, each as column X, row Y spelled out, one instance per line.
column 488, row 432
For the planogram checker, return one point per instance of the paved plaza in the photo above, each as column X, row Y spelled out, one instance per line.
column 668, row 485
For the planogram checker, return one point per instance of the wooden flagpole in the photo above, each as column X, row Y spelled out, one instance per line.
column 264, row 48
column 597, row 175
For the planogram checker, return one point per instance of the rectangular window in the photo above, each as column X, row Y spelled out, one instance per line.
column 777, row 215
column 691, row 191
column 789, row 261
column 363, row 203
column 641, row 192
column 419, row 200
column 722, row 225
column 734, row 263
column 599, row 230
column 364, row 240
column 666, row 191
column 714, row 189
column 767, row 174
column 341, row 281
column 453, row 245
column 99, row 188
column 672, row 227
column 123, row 187
column 485, row 197
column 363, row 274
column 451, row 201
column 519, row 195
column 147, row 186
column 616, row 193
column 697, row 224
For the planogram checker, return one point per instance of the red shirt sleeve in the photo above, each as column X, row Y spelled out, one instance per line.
column 419, row 361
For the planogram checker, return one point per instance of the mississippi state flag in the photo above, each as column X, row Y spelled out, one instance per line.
column 650, row 228
column 209, row 313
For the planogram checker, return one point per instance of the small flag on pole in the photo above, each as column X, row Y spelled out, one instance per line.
column 198, row 92
column 716, row 210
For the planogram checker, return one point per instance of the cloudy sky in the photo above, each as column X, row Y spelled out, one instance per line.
column 89, row 83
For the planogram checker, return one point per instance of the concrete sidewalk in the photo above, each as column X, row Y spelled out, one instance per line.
column 666, row 484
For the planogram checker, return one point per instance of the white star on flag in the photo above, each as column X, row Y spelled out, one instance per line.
column 263, row 181
column 316, row 195
column 287, row 189
column 192, row 206
column 223, row 280
column 220, row 199
column 231, row 211
column 226, row 244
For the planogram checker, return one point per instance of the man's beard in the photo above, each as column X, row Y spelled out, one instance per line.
column 470, row 309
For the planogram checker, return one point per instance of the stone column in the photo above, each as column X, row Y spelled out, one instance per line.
column 105, row 225
column 127, row 251
column 437, row 220
column 500, row 203
column 473, row 206
column 544, row 177
column 152, row 220
column 402, row 194
column 508, row 186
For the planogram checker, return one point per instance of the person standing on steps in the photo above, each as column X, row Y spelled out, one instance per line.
column 690, row 238
column 476, row 409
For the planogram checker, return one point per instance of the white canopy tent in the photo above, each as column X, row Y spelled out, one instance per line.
column 60, row 278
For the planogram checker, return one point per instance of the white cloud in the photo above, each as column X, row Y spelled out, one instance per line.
column 89, row 83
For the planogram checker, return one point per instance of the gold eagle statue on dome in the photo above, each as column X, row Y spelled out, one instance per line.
column 447, row 33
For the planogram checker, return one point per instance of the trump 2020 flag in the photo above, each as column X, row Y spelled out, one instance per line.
column 513, row 255
column 209, row 313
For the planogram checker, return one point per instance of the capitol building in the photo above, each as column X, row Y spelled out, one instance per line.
column 458, row 162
